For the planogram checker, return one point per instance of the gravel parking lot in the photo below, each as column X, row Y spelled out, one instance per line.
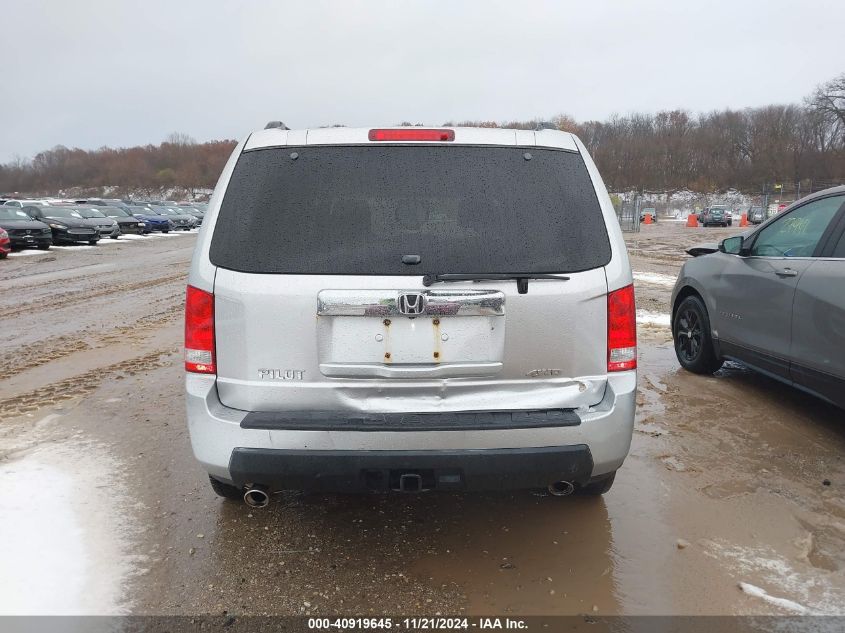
column 731, row 501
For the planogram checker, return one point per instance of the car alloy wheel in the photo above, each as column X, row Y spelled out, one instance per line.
column 694, row 346
column 689, row 336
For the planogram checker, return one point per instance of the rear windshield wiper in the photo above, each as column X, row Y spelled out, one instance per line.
column 520, row 278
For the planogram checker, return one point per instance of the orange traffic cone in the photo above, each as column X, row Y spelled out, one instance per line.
column 743, row 219
column 647, row 218
column 692, row 220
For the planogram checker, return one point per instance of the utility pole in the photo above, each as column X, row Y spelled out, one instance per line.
column 765, row 201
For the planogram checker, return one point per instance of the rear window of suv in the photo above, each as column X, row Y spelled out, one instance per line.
column 359, row 209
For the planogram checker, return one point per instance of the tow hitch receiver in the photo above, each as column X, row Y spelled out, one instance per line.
column 410, row 482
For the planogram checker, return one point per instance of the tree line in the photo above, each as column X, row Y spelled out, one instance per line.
column 179, row 165
column 747, row 150
column 751, row 150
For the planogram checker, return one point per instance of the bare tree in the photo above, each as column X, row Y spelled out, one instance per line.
column 180, row 138
column 829, row 101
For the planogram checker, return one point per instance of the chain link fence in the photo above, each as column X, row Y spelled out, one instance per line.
column 628, row 213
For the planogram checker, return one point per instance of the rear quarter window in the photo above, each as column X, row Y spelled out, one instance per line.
column 359, row 209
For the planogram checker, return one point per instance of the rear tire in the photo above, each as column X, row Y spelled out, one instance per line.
column 596, row 488
column 691, row 335
column 44, row 247
column 92, row 242
column 227, row 491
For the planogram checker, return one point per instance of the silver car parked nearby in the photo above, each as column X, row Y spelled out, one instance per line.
column 772, row 298
column 410, row 309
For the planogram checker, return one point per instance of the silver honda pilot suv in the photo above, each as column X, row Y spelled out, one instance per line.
column 410, row 309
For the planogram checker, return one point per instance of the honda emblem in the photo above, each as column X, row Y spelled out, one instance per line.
column 411, row 303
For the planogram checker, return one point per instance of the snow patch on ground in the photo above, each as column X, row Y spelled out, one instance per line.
column 783, row 603
column 817, row 591
column 673, row 463
column 65, row 533
column 644, row 317
column 171, row 234
column 655, row 279
column 26, row 252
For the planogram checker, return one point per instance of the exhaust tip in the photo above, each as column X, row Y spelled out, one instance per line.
column 257, row 497
column 561, row 488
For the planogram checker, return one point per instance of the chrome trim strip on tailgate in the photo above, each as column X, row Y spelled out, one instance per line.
column 386, row 302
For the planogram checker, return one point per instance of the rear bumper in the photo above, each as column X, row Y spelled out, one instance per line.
column 331, row 457
column 408, row 422
column 380, row 471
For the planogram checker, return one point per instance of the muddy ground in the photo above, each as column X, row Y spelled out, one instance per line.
column 731, row 479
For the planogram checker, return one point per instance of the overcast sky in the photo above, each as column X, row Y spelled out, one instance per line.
column 119, row 73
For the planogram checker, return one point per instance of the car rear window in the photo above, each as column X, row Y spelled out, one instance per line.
column 359, row 209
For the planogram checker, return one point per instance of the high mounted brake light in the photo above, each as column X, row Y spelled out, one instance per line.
column 411, row 134
column 621, row 330
column 199, row 331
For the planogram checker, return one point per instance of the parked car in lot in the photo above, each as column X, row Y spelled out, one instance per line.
column 25, row 203
column 153, row 221
column 66, row 223
column 648, row 211
column 108, row 227
column 715, row 215
column 196, row 213
column 202, row 206
column 97, row 202
column 5, row 244
column 127, row 222
column 23, row 231
column 396, row 260
column 772, row 298
column 181, row 221
column 756, row 215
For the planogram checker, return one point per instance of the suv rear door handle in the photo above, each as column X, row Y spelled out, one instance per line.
column 787, row 272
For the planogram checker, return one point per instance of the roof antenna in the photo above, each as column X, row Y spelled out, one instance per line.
column 276, row 124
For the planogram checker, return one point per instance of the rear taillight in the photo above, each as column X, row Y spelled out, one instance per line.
column 199, row 331
column 621, row 330
column 411, row 134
